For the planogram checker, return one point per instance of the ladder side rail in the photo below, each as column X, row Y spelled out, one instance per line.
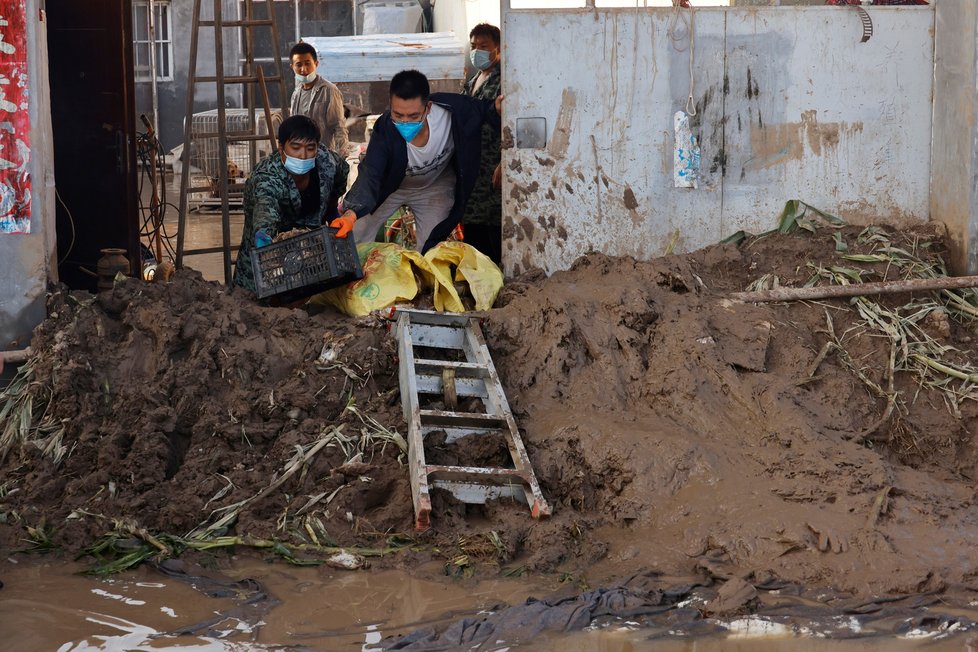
column 412, row 415
column 497, row 401
column 222, row 141
column 251, row 124
column 475, row 345
column 277, row 56
column 187, row 126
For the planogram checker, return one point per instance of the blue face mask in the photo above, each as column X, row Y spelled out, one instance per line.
column 299, row 165
column 306, row 79
column 481, row 59
column 409, row 130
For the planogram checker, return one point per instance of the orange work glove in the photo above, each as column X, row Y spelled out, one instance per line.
column 344, row 223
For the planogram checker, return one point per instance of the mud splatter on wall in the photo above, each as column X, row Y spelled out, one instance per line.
column 15, row 180
column 846, row 126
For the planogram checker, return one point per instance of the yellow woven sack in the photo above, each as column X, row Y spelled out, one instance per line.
column 388, row 278
column 484, row 278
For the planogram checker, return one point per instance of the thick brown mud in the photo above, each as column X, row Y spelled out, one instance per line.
column 669, row 431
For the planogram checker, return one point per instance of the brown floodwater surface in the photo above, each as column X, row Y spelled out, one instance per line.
column 47, row 605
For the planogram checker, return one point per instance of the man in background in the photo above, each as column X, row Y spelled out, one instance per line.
column 317, row 98
column 482, row 221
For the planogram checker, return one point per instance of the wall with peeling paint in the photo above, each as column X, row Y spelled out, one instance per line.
column 26, row 260
column 954, row 152
column 790, row 105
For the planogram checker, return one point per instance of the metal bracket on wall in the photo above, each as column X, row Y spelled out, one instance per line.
column 531, row 133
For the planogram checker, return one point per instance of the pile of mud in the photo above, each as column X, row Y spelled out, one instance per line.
column 669, row 430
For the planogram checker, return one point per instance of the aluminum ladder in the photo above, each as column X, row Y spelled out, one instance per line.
column 458, row 336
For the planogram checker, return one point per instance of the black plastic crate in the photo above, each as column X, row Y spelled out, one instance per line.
column 306, row 264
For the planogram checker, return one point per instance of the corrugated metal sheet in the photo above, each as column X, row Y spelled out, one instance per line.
column 791, row 105
column 378, row 57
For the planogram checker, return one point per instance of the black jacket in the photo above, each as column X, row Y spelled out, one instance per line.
column 382, row 169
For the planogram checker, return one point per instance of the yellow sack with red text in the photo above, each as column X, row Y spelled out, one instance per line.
column 390, row 275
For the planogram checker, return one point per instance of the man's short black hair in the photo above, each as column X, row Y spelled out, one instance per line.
column 305, row 48
column 485, row 29
column 298, row 128
column 409, row 84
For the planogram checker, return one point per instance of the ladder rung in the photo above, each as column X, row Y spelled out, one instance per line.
column 432, row 318
column 433, row 384
column 259, row 22
column 443, row 418
column 474, row 474
column 478, row 493
column 462, row 369
column 442, row 337
column 230, row 137
column 200, row 189
column 235, row 79
column 453, row 433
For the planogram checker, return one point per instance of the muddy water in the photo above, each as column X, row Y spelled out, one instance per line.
column 48, row 606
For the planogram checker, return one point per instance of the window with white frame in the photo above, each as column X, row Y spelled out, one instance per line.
column 142, row 41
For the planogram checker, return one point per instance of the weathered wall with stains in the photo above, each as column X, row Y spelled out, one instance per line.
column 954, row 153
column 27, row 259
column 790, row 105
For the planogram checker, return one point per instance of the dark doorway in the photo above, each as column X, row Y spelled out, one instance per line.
column 91, row 75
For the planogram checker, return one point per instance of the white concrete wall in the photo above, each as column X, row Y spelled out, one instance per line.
column 791, row 105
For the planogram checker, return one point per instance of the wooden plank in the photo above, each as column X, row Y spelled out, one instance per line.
column 856, row 289
column 448, row 389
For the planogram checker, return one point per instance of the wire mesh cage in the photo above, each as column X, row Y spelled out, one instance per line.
column 241, row 156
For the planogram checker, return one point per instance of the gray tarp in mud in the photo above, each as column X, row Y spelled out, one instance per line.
column 693, row 609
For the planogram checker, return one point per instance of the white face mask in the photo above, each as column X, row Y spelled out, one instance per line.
column 305, row 79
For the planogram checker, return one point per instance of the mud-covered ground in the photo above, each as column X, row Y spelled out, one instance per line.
column 669, row 431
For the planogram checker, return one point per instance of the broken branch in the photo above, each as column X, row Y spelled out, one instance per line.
column 855, row 289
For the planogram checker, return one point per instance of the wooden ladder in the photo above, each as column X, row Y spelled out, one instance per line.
column 253, row 75
column 458, row 336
